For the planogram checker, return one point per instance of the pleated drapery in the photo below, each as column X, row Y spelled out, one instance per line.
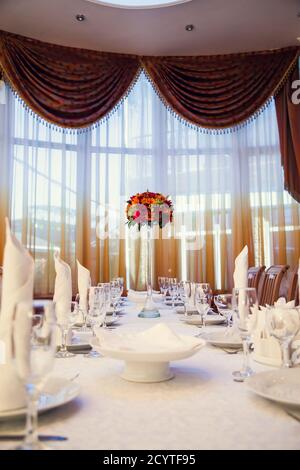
column 68, row 87
column 68, row 192
column 74, row 88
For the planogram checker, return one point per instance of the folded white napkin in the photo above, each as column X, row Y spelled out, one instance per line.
column 240, row 275
column 84, row 282
column 139, row 297
column 282, row 303
column 62, row 289
column 158, row 338
column 17, row 287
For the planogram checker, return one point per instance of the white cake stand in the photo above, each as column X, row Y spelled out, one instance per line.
column 148, row 366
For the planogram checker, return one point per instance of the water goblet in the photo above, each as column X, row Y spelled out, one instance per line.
column 283, row 324
column 66, row 317
column 223, row 302
column 245, row 306
column 33, row 351
column 202, row 306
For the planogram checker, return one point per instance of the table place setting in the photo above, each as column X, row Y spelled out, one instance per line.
column 123, row 360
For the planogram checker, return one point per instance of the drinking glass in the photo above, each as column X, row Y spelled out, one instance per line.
column 283, row 324
column 202, row 306
column 82, row 310
column 95, row 312
column 161, row 283
column 115, row 294
column 33, row 351
column 245, row 306
column 65, row 318
column 223, row 302
column 185, row 291
column 203, row 287
column 173, row 290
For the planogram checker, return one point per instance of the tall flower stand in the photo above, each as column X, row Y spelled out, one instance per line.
column 149, row 310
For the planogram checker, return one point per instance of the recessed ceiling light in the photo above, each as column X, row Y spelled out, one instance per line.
column 80, row 17
column 298, row 39
column 189, row 27
column 139, row 3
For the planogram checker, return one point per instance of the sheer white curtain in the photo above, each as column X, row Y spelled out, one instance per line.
column 69, row 192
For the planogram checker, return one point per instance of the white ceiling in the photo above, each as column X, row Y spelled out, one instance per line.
column 221, row 26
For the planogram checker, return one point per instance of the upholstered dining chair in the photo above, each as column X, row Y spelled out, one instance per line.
column 254, row 275
column 269, row 288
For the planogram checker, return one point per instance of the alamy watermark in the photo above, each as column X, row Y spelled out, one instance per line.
column 296, row 94
column 165, row 223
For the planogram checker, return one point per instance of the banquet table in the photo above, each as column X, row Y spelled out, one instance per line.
column 200, row 408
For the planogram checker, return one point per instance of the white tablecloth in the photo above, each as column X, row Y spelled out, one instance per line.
column 201, row 408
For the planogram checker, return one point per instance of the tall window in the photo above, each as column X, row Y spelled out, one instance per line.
column 70, row 190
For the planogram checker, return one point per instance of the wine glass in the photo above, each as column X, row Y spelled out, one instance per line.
column 203, row 287
column 161, row 283
column 173, row 290
column 223, row 302
column 33, row 351
column 245, row 306
column 66, row 317
column 82, row 310
column 283, row 324
column 96, row 301
column 185, row 290
column 202, row 306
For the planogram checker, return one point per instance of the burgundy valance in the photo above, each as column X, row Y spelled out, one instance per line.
column 74, row 87
column 66, row 86
column 219, row 91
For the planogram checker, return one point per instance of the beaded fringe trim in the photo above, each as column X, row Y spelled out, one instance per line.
column 181, row 119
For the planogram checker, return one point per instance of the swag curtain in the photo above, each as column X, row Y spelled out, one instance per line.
column 75, row 88
column 288, row 117
column 68, row 190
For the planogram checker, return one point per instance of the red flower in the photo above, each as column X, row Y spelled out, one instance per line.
column 136, row 214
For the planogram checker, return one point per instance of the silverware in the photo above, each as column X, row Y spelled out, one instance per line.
column 15, row 436
column 231, row 351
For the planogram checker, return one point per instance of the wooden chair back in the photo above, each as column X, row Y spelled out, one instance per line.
column 254, row 275
column 270, row 284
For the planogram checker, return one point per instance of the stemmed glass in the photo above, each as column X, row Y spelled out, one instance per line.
column 245, row 306
column 185, row 292
column 173, row 290
column 83, row 310
column 33, row 349
column 161, row 283
column 65, row 318
column 95, row 313
column 202, row 305
column 283, row 324
column 164, row 287
column 115, row 294
column 223, row 302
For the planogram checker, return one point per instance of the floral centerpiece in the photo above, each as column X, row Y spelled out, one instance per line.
column 147, row 210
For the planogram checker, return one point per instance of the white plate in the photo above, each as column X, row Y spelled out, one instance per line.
column 210, row 320
column 281, row 386
column 56, row 392
column 219, row 339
